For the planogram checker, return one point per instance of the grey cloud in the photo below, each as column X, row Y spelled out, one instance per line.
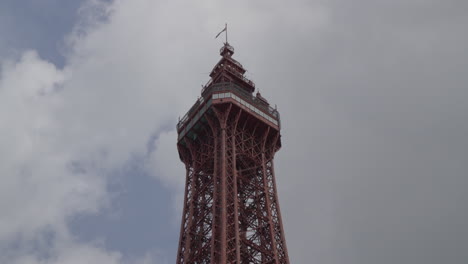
column 374, row 113
column 373, row 102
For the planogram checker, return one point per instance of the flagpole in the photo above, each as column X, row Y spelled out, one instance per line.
column 225, row 32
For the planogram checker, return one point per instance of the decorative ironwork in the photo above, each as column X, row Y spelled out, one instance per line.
column 231, row 210
column 207, row 93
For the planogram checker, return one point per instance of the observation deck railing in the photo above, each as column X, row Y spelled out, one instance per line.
column 240, row 76
column 208, row 90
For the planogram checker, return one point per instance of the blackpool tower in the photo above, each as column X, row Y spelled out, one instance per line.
column 227, row 141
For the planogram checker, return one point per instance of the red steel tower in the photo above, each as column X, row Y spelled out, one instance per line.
column 227, row 141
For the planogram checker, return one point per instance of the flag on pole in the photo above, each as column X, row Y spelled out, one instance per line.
column 225, row 27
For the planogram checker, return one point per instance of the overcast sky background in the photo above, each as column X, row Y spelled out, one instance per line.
column 373, row 98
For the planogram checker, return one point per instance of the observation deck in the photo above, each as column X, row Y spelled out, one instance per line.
column 228, row 85
column 228, row 92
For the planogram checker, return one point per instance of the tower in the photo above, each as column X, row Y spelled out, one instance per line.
column 227, row 141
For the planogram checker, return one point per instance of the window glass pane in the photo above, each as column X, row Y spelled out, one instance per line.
column 215, row 96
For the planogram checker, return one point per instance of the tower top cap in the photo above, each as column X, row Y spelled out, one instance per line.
column 226, row 50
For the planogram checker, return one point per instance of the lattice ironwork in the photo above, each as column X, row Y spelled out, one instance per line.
column 231, row 210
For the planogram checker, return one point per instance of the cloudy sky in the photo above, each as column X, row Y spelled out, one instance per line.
column 373, row 97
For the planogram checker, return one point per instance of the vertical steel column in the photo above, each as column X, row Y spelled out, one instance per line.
column 214, row 125
column 223, row 191
column 235, row 194
column 183, row 234
column 279, row 224
column 268, row 207
column 191, row 202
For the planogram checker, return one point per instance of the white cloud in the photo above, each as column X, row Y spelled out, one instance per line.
column 38, row 189
column 65, row 130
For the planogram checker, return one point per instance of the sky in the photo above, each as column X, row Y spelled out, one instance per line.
column 372, row 95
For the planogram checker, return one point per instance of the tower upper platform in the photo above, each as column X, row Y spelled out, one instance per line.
column 229, row 85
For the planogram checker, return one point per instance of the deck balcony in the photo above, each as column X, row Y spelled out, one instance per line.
column 255, row 104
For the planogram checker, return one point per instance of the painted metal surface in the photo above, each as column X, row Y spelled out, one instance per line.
column 231, row 210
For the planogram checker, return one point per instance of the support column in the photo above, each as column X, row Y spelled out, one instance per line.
column 279, row 225
column 181, row 253
column 223, row 191
column 191, row 202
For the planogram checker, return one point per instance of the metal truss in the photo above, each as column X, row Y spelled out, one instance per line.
column 231, row 212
